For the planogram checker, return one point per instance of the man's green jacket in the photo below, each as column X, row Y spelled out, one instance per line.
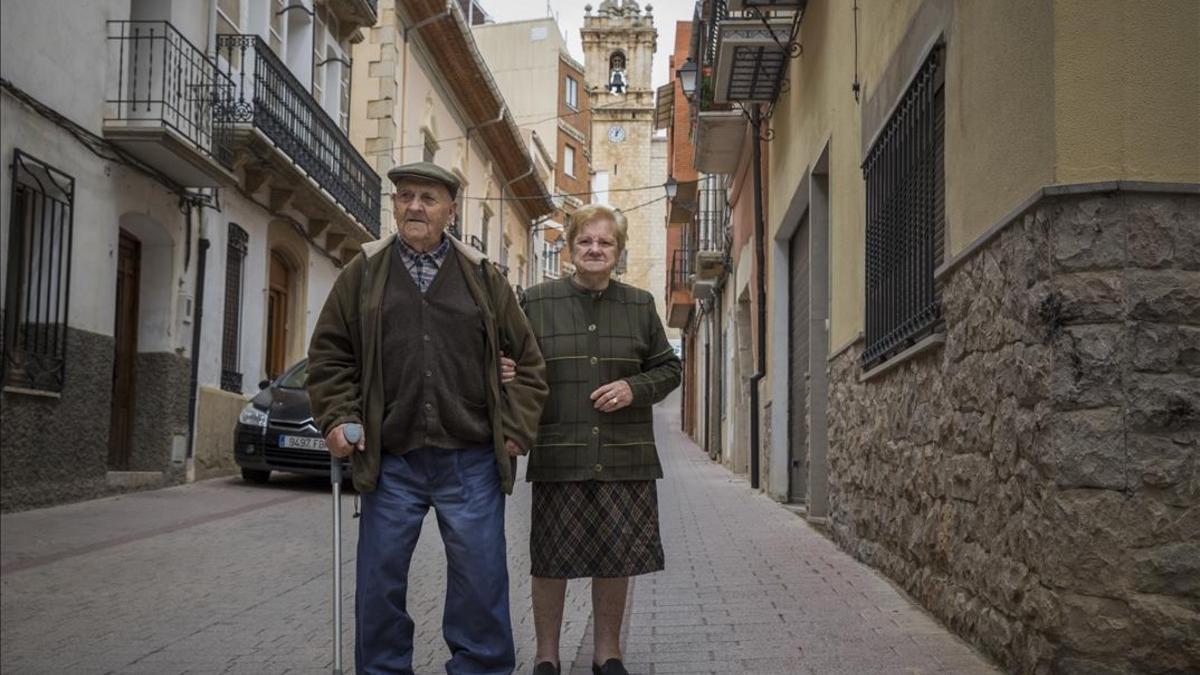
column 345, row 372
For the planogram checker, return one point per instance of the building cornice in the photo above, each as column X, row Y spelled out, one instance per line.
column 445, row 36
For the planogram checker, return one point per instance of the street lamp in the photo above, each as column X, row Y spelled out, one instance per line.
column 671, row 186
column 687, row 77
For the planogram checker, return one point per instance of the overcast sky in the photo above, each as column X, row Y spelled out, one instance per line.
column 570, row 18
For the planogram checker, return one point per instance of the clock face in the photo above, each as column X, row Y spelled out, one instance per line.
column 616, row 133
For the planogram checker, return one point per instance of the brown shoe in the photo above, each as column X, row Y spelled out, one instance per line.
column 547, row 668
column 610, row 667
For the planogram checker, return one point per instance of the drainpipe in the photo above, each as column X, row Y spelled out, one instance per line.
column 759, row 276
column 197, row 322
column 503, row 190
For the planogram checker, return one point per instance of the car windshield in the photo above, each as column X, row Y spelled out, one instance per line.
column 296, row 378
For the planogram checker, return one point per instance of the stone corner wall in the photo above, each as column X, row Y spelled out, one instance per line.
column 216, row 417
column 1036, row 482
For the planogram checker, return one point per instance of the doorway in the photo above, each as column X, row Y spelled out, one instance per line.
column 125, row 328
column 798, row 360
column 278, row 302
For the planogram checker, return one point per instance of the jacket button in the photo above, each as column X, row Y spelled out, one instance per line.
column 429, row 406
column 591, row 328
column 598, row 468
column 425, row 337
column 595, row 360
column 595, row 431
column 429, row 373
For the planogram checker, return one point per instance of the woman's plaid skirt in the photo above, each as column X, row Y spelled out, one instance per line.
column 595, row 529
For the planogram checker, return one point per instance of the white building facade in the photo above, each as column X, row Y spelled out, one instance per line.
column 181, row 193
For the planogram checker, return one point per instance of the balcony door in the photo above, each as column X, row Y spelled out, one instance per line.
column 125, row 327
column 278, row 306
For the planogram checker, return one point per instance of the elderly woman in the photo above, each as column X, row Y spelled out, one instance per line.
column 594, row 465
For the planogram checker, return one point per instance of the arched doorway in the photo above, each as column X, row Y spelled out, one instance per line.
column 125, row 334
column 279, row 302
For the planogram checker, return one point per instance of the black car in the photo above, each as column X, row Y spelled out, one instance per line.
column 276, row 431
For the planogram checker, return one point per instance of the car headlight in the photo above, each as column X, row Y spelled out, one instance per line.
column 253, row 417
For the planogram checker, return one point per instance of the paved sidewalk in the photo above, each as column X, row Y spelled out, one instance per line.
column 750, row 587
column 225, row 577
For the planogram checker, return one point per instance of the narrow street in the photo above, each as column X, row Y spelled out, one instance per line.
column 224, row 577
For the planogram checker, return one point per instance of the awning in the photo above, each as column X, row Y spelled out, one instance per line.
column 664, row 106
column 684, row 203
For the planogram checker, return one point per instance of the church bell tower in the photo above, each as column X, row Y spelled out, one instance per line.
column 619, row 40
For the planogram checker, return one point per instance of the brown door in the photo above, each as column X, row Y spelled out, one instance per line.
column 277, row 317
column 129, row 260
column 798, row 292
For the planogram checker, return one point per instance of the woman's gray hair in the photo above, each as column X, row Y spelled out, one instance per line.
column 590, row 213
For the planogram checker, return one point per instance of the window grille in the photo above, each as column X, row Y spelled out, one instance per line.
column 39, row 275
column 235, row 257
column 906, row 219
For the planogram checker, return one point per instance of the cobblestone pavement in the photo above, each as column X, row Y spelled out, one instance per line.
column 223, row 577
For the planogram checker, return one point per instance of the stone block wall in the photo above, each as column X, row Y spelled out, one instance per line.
column 1035, row 482
column 54, row 450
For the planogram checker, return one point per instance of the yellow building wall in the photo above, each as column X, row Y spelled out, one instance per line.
column 1127, row 100
column 1037, row 93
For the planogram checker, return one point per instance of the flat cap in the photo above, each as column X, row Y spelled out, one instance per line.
column 425, row 171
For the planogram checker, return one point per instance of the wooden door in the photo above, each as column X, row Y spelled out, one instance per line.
column 798, row 340
column 125, row 325
column 278, row 301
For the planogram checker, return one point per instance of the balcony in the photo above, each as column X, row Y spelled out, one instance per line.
column 712, row 231
column 752, row 50
column 355, row 13
column 718, row 130
column 718, row 137
column 679, row 284
column 160, row 100
column 285, row 140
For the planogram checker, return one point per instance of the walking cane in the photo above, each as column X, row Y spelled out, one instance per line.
column 353, row 434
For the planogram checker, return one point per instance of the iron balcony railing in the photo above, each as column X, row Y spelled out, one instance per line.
column 268, row 96
column 681, row 269
column 705, row 41
column 712, row 215
column 162, row 79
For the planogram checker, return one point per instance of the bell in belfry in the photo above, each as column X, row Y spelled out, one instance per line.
column 616, row 74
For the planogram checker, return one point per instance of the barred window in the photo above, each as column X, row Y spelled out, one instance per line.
column 905, row 179
column 235, row 257
column 38, row 284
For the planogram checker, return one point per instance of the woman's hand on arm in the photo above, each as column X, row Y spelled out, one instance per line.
column 508, row 369
column 612, row 396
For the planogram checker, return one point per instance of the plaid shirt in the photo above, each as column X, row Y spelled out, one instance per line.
column 589, row 339
column 423, row 266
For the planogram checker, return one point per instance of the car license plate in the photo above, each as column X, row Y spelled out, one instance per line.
column 302, row 442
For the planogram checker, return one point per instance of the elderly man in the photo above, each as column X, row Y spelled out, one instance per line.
column 408, row 345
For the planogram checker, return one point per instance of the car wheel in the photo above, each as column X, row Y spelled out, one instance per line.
column 256, row 476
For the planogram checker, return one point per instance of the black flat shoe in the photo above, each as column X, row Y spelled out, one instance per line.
column 610, row 667
column 546, row 668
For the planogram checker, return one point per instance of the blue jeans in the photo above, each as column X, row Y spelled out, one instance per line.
column 463, row 487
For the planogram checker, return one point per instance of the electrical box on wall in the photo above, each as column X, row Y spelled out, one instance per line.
column 185, row 308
